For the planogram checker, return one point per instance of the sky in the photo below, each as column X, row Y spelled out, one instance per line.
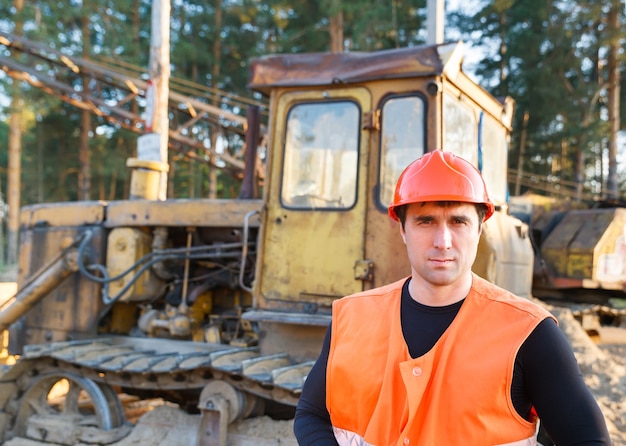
column 473, row 52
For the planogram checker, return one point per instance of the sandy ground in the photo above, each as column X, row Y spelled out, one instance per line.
column 604, row 367
column 169, row 426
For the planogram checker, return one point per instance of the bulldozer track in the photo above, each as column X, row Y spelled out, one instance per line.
column 147, row 364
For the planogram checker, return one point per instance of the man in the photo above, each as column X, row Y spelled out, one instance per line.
column 444, row 357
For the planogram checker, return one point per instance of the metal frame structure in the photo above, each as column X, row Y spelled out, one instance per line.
column 117, row 94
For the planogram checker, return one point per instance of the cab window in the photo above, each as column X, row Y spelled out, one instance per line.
column 459, row 129
column 402, row 140
column 321, row 156
column 493, row 146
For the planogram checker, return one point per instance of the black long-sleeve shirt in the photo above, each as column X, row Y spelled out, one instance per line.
column 546, row 376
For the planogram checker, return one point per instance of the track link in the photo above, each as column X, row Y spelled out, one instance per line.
column 159, row 366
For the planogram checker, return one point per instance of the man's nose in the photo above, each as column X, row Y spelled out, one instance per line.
column 443, row 237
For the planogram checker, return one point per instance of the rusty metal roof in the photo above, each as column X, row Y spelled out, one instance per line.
column 311, row 69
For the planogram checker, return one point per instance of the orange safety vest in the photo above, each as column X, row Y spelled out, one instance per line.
column 458, row 393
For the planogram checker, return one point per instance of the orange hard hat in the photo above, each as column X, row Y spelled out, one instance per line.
column 440, row 176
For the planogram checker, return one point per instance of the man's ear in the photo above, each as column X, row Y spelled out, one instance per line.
column 403, row 234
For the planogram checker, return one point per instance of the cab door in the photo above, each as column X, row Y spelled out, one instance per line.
column 313, row 238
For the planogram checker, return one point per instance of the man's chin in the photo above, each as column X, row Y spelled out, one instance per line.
column 442, row 278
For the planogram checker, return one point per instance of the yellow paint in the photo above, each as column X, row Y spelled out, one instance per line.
column 312, row 252
column 124, row 248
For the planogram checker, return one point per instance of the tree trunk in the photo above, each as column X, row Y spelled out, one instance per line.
column 522, row 153
column 84, row 158
column 2, row 217
column 84, row 162
column 14, row 182
column 215, row 73
column 579, row 172
column 613, row 98
column 135, row 48
column 336, row 28
column 502, row 51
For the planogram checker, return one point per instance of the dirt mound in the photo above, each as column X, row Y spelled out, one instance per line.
column 169, row 426
column 604, row 369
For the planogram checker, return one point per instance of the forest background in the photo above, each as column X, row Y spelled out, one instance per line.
column 561, row 61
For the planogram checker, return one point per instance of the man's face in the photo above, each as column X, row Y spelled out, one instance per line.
column 441, row 241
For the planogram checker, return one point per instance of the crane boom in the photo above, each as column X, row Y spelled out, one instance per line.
column 119, row 98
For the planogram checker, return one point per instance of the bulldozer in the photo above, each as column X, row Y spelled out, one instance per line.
column 221, row 305
column 579, row 248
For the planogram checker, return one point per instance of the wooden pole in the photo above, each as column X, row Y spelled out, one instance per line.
column 160, row 76
column 520, row 158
